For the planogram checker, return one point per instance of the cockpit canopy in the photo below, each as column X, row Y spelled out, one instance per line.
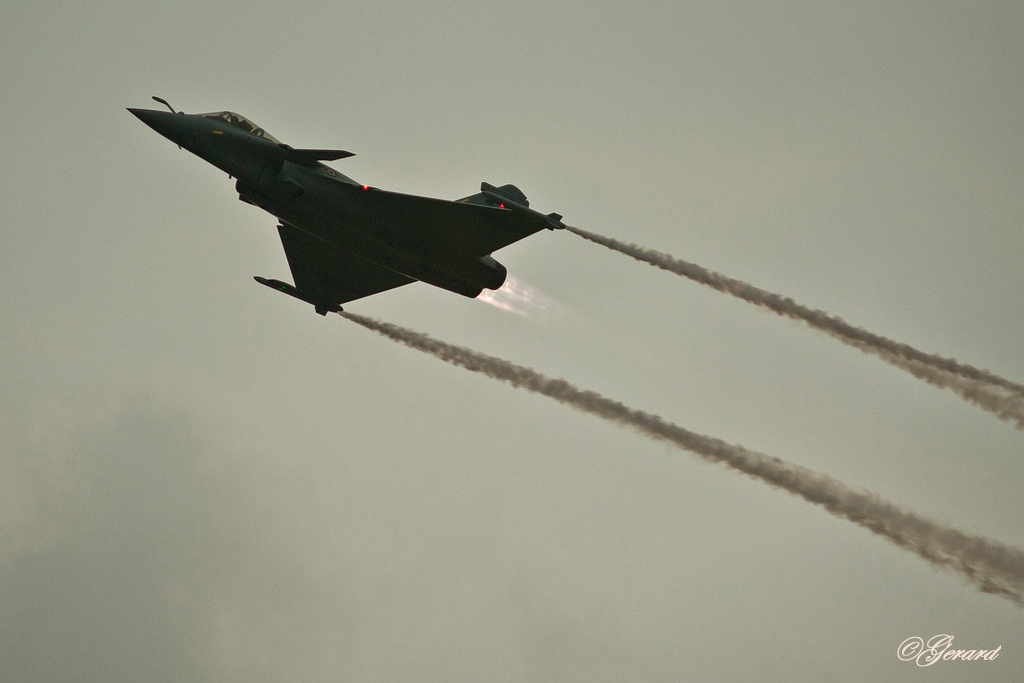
column 233, row 119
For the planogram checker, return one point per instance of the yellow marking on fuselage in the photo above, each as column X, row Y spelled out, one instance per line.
column 218, row 132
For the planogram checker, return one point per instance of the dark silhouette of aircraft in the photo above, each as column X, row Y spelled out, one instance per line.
column 344, row 240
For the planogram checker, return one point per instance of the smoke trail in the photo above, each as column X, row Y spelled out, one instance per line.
column 1003, row 403
column 833, row 325
column 988, row 565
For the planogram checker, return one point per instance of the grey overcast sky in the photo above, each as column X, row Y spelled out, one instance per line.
column 201, row 479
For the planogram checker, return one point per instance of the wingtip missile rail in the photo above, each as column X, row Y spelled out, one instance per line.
column 553, row 220
column 291, row 290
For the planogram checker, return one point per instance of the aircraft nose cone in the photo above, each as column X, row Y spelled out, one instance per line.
column 150, row 117
column 171, row 126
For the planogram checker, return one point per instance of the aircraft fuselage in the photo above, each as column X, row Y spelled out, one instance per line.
column 369, row 232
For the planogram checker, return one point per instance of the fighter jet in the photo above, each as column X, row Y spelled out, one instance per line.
column 345, row 240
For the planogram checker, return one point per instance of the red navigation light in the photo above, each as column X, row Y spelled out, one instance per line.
column 366, row 187
column 501, row 206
